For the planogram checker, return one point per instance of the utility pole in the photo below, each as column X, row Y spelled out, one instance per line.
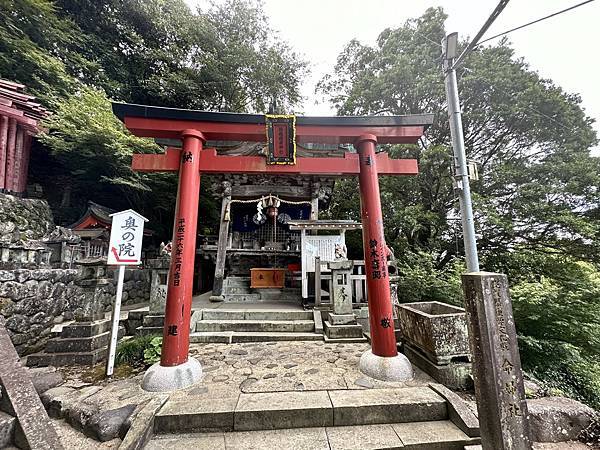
column 461, row 170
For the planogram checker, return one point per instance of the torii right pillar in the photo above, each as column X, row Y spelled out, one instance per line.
column 382, row 362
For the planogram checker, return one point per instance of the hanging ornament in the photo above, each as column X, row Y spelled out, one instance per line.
column 272, row 212
column 259, row 218
column 284, row 218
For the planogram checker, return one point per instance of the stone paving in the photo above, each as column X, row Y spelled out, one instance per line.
column 229, row 369
column 284, row 366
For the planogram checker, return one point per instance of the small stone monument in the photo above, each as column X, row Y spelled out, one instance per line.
column 154, row 321
column 342, row 325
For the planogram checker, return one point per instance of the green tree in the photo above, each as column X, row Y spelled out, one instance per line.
column 531, row 140
column 158, row 52
column 536, row 202
column 36, row 48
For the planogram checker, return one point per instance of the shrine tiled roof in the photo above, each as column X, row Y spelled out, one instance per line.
column 98, row 212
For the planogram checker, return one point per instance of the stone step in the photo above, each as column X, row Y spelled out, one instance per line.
column 241, row 297
column 342, row 331
column 352, row 340
column 278, row 294
column 236, row 281
column 7, row 429
column 304, row 409
column 438, row 435
column 373, row 406
column 268, row 326
column 149, row 331
column 256, row 314
column 85, row 329
column 154, row 320
column 91, row 358
column 84, row 344
column 137, row 314
column 233, row 290
column 250, row 336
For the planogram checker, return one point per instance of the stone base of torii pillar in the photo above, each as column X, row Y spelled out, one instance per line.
column 386, row 368
column 171, row 378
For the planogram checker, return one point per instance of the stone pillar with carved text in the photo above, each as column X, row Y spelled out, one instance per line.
column 496, row 363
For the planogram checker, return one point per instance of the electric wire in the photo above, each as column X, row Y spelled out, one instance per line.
column 535, row 21
column 488, row 23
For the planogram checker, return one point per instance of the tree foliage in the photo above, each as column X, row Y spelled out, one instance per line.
column 536, row 202
column 76, row 54
column 158, row 52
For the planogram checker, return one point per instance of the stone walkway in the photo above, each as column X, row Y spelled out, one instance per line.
column 284, row 366
column 229, row 369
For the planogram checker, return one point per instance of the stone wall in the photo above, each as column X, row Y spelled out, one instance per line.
column 34, row 296
column 136, row 286
column 23, row 219
column 32, row 301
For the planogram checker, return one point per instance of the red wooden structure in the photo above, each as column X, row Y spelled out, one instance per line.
column 19, row 116
column 196, row 127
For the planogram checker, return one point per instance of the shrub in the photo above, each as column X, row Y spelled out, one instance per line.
column 133, row 351
column 152, row 350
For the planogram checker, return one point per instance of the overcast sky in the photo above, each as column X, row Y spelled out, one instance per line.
column 563, row 48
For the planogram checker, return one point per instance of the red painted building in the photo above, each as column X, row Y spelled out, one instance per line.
column 19, row 122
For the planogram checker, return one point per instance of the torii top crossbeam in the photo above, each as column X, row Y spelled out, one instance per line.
column 160, row 122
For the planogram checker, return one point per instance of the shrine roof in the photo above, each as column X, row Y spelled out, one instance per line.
column 97, row 217
column 100, row 213
column 122, row 110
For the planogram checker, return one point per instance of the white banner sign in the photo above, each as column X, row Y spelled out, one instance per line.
column 126, row 235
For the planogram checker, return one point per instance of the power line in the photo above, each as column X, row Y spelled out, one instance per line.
column 535, row 21
column 488, row 23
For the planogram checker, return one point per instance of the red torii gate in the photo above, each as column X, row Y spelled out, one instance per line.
column 194, row 128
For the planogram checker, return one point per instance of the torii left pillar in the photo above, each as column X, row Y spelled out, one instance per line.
column 176, row 369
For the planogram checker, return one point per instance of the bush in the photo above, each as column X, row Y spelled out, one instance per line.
column 133, row 351
column 152, row 351
column 421, row 281
column 564, row 369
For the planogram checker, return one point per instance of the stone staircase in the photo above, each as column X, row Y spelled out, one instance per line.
column 237, row 289
column 78, row 344
column 251, row 325
column 408, row 418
